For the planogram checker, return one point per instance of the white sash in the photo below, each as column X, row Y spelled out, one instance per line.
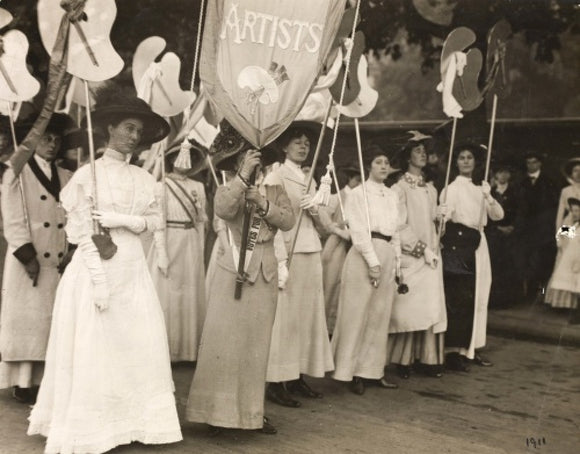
column 255, row 224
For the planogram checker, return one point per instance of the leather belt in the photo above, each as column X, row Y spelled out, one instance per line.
column 380, row 236
column 186, row 225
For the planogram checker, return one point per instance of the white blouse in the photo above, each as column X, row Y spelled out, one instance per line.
column 464, row 202
column 383, row 213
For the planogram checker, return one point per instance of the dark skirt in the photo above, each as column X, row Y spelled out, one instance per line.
column 459, row 245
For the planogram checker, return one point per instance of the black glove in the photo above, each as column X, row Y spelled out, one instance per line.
column 33, row 270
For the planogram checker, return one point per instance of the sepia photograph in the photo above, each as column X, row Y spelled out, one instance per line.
column 289, row 226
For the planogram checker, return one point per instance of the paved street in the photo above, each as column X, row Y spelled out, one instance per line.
column 532, row 391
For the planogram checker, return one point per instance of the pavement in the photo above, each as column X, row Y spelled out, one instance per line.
column 534, row 321
column 530, row 396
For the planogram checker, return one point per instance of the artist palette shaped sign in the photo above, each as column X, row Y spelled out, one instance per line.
column 260, row 59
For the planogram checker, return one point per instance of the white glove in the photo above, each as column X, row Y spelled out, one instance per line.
column 111, row 220
column 163, row 263
column 431, row 258
column 97, row 272
column 307, row 203
column 486, row 189
column 162, row 258
column 282, row 274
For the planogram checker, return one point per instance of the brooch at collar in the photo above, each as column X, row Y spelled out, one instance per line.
column 414, row 181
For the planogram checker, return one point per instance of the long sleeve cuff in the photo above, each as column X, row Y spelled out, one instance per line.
column 370, row 257
column 25, row 253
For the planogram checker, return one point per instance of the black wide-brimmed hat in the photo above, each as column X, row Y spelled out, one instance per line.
column 570, row 165
column 60, row 124
column 229, row 144
column 155, row 128
column 114, row 103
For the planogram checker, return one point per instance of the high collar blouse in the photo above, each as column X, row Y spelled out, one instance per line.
column 464, row 202
column 121, row 187
column 383, row 214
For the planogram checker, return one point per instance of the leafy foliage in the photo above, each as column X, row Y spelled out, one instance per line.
column 382, row 21
column 542, row 21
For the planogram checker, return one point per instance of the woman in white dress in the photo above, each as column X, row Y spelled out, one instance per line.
column 564, row 287
column 107, row 379
column 419, row 319
column 556, row 297
column 176, row 257
column 572, row 172
column 367, row 287
column 466, row 263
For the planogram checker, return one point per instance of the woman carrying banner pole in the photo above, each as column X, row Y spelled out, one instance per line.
column 228, row 387
column 466, row 263
column 367, row 288
column 108, row 379
column 300, row 344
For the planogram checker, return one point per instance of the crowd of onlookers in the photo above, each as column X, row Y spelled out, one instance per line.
column 524, row 245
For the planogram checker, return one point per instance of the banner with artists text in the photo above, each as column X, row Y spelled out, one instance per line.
column 260, row 59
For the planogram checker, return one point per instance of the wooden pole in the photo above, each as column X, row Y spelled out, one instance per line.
column 362, row 173
column 340, row 202
column 309, row 182
column 96, row 226
column 240, row 277
column 20, row 185
column 449, row 159
column 488, row 159
column 230, row 238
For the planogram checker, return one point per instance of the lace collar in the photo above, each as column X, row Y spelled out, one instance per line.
column 413, row 180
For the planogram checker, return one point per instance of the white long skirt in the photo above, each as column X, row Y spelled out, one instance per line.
column 360, row 338
column 107, row 378
column 300, row 342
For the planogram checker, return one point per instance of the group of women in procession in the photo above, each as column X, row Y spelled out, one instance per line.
column 399, row 279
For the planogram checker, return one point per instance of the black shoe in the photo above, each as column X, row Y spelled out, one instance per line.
column 275, row 392
column 403, row 371
column 301, row 387
column 482, row 361
column 383, row 383
column 456, row 362
column 268, row 428
column 432, row 370
column 23, row 395
column 574, row 317
column 357, row 386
